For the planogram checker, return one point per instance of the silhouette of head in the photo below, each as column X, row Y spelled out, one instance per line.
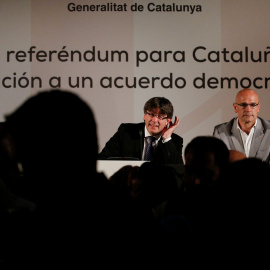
column 236, row 155
column 54, row 132
column 205, row 160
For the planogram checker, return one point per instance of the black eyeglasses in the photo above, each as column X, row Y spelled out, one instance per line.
column 244, row 105
column 160, row 117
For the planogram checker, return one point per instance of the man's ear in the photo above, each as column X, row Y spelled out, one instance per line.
column 235, row 108
column 168, row 121
column 258, row 108
column 144, row 116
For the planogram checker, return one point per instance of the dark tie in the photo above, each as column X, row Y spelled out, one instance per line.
column 149, row 149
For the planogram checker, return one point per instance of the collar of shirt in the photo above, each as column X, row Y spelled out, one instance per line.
column 157, row 137
column 247, row 138
column 241, row 129
column 154, row 144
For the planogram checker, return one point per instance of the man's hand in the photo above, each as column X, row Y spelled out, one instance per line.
column 169, row 129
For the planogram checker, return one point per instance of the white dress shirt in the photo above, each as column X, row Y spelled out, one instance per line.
column 154, row 144
column 247, row 138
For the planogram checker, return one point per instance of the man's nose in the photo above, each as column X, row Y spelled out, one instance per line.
column 249, row 108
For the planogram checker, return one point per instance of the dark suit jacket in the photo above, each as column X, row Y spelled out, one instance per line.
column 260, row 144
column 128, row 141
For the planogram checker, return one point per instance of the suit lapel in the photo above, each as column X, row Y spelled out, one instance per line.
column 236, row 138
column 257, row 138
column 139, row 143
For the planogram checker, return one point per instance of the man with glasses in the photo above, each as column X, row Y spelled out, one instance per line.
column 152, row 140
column 246, row 133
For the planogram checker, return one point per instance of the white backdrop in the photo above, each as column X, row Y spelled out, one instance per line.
column 216, row 25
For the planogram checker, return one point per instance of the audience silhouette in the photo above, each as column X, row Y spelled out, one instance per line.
column 195, row 207
column 55, row 207
column 77, row 212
